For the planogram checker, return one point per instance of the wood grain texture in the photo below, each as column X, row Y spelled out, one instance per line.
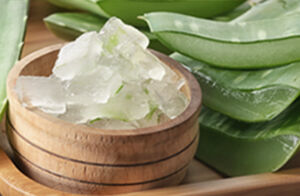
column 82, row 159
column 78, row 170
column 14, row 183
column 37, row 35
column 284, row 182
column 71, row 185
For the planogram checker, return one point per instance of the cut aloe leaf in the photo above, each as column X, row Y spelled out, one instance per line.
column 270, row 9
column 13, row 16
column 70, row 25
column 129, row 10
column 252, row 95
column 85, row 5
column 235, row 148
column 243, row 45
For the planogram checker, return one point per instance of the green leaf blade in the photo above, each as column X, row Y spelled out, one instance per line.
column 85, row 5
column 270, row 9
column 246, row 95
column 237, row 148
column 13, row 17
column 244, row 79
column 129, row 10
column 236, row 156
column 69, row 25
column 247, row 45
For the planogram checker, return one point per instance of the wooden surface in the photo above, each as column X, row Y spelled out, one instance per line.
column 200, row 179
column 37, row 35
column 14, row 183
column 282, row 183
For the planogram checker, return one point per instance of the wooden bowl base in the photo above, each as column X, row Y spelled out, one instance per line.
column 67, row 184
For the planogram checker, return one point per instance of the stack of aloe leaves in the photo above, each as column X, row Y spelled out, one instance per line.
column 90, row 15
column 246, row 62
column 249, row 72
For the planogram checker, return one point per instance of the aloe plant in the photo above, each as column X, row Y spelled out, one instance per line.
column 85, row 5
column 70, row 25
column 239, row 148
column 129, row 10
column 270, row 9
column 258, row 10
column 239, row 45
column 237, row 12
column 241, row 86
column 252, row 95
column 13, row 16
column 236, row 148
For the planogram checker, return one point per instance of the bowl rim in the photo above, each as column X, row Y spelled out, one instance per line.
column 192, row 108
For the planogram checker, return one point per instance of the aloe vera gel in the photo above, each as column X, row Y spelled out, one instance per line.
column 107, row 80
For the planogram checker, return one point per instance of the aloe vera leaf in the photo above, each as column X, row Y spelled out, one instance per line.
column 270, row 9
column 246, row 45
column 13, row 17
column 237, row 12
column 70, row 25
column 252, row 95
column 244, row 79
column 237, row 148
column 129, row 10
column 262, row 10
column 250, row 147
column 85, row 5
column 249, row 106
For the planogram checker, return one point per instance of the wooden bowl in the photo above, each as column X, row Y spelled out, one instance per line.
column 82, row 159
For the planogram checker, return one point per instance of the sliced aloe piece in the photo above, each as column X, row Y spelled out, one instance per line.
column 270, row 9
column 70, row 25
column 236, row 148
column 85, row 5
column 129, row 10
column 252, row 95
column 243, row 45
column 13, row 16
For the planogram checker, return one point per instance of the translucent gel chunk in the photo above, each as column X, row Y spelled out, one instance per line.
column 170, row 100
column 115, row 34
column 45, row 93
column 96, row 87
column 79, row 57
